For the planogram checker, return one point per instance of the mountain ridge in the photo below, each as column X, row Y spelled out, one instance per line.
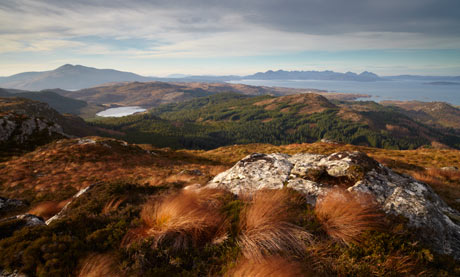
column 75, row 77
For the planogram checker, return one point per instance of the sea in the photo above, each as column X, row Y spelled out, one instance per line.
column 400, row 90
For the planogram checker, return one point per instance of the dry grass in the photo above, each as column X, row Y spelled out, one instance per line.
column 403, row 265
column 267, row 228
column 346, row 215
column 444, row 182
column 113, row 205
column 48, row 209
column 274, row 266
column 188, row 218
column 66, row 163
column 97, row 265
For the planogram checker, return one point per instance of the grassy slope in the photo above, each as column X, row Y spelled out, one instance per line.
column 136, row 173
column 430, row 112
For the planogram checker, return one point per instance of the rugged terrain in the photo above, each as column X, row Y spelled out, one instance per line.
column 56, row 101
column 435, row 113
column 106, row 223
column 26, row 124
column 78, row 205
column 152, row 94
column 225, row 119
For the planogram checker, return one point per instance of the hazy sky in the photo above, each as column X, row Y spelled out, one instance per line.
column 232, row 36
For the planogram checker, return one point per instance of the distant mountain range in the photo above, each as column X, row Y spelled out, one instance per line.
column 74, row 77
column 315, row 75
column 70, row 77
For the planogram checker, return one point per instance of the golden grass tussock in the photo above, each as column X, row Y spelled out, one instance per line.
column 189, row 218
column 266, row 226
column 273, row 266
column 97, row 265
column 346, row 215
column 48, row 209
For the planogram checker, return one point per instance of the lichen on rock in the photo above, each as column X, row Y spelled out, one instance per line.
column 313, row 174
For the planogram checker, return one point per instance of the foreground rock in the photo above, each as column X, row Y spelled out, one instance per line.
column 7, row 204
column 313, row 174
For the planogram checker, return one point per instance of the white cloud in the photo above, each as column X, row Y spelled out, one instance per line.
column 181, row 32
column 212, row 29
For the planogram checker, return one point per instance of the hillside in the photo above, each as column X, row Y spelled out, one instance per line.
column 27, row 124
column 226, row 119
column 108, row 226
column 56, row 101
column 434, row 113
column 68, row 77
column 152, row 94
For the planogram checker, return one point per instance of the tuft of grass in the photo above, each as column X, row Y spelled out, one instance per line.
column 266, row 226
column 272, row 266
column 345, row 215
column 113, row 204
column 96, row 265
column 400, row 264
column 189, row 218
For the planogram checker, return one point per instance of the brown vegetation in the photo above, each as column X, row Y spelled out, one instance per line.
column 97, row 265
column 188, row 218
column 48, row 209
column 267, row 228
column 273, row 266
column 446, row 182
column 346, row 215
column 58, row 170
column 113, row 204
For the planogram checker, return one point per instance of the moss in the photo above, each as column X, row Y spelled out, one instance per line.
column 54, row 250
column 9, row 226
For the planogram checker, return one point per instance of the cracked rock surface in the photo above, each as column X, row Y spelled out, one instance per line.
column 313, row 174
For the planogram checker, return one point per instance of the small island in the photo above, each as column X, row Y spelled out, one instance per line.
column 443, row 83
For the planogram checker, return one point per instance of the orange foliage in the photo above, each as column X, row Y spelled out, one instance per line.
column 273, row 266
column 48, row 209
column 346, row 215
column 97, row 265
column 267, row 228
column 188, row 218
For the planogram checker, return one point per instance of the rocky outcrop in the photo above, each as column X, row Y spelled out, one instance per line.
column 313, row 174
column 19, row 129
column 257, row 171
column 7, row 204
column 30, row 219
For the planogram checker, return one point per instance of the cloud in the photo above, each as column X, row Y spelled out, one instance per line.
column 262, row 26
column 164, row 29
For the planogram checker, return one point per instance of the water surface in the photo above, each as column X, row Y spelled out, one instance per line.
column 121, row 111
column 379, row 90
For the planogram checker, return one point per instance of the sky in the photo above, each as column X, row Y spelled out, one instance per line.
column 219, row 37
